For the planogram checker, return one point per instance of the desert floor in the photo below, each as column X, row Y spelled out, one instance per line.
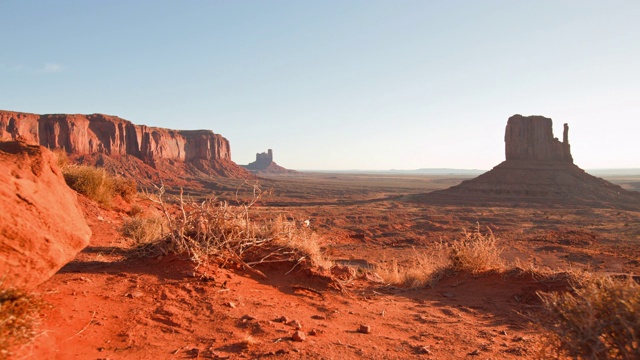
column 107, row 304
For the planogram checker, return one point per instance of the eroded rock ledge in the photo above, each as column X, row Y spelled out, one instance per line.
column 111, row 135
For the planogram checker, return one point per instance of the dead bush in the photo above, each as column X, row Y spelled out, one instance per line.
column 97, row 184
column 599, row 319
column 476, row 253
column 214, row 229
column 19, row 318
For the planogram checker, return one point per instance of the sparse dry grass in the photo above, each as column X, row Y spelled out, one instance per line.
column 599, row 319
column 425, row 269
column 19, row 317
column 97, row 184
column 142, row 230
column 476, row 253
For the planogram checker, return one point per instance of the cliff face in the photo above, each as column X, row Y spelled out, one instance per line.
column 531, row 138
column 111, row 135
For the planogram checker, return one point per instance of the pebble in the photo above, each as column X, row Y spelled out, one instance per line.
column 298, row 336
column 364, row 329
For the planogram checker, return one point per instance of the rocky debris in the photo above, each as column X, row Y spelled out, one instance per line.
column 538, row 168
column 264, row 164
column 295, row 323
column 113, row 136
column 41, row 225
column 298, row 336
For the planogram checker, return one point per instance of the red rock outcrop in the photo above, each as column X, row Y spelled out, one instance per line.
column 538, row 168
column 41, row 225
column 113, row 136
column 264, row 164
column 531, row 138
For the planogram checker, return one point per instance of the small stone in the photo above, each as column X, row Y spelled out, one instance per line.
column 319, row 317
column 425, row 350
column 313, row 332
column 503, row 332
column 448, row 295
column 364, row 329
column 283, row 319
column 295, row 323
column 298, row 336
column 231, row 305
column 474, row 352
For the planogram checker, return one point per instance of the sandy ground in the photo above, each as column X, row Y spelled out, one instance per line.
column 109, row 305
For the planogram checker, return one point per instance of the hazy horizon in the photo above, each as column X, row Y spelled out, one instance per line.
column 369, row 85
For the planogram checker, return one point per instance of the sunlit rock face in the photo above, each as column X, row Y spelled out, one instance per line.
column 111, row 135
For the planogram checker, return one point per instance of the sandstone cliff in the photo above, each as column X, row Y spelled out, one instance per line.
column 113, row 136
column 538, row 168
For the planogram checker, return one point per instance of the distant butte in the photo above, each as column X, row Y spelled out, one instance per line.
column 138, row 151
column 538, row 168
column 264, row 164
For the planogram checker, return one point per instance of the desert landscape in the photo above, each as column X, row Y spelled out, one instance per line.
column 274, row 179
column 193, row 256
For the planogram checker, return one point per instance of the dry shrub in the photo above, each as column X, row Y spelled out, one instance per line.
column 62, row 158
column 476, row 253
column 19, row 317
column 126, row 188
column 142, row 230
column 215, row 229
column 97, row 184
column 425, row 269
column 600, row 319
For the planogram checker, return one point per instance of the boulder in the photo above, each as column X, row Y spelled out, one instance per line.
column 41, row 225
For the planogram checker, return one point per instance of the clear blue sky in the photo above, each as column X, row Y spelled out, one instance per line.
column 338, row 84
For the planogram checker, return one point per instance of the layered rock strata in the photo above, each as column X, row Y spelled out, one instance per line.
column 113, row 136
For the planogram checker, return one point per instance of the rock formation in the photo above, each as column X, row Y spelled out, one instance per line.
column 264, row 164
column 531, row 138
column 538, row 168
column 41, row 225
column 113, row 136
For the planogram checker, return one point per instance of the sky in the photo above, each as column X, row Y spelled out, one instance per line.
column 338, row 84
